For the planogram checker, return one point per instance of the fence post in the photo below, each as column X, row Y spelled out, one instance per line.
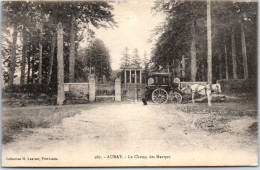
column 118, row 90
column 92, row 90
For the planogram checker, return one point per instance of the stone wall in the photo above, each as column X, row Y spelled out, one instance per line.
column 76, row 91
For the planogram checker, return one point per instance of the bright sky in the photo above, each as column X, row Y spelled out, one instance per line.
column 135, row 23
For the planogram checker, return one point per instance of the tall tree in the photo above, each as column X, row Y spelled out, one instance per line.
column 234, row 59
column 226, row 57
column 72, row 50
column 13, row 56
column 53, row 44
column 24, row 54
column 40, row 57
column 243, row 42
column 193, row 54
column 99, row 57
column 125, row 60
column 209, row 42
column 136, row 60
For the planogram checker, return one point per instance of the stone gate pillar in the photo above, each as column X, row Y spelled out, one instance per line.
column 92, row 90
column 118, row 90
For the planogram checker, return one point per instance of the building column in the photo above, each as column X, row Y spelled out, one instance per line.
column 92, row 90
column 118, row 90
column 135, row 77
column 130, row 81
column 141, row 76
column 125, row 76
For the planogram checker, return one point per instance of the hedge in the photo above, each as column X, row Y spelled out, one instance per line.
column 32, row 89
column 238, row 86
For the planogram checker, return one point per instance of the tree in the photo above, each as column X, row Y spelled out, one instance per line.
column 145, row 62
column 76, row 13
column 233, row 47
column 178, row 33
column 209, row 42
column 193, row 54
column 125, row 60
column 40, row 57
column 183, row 33
column 98, row 58
column 243, row 42
column 53, row 43
column 12, row 19
column 24, row 54
column 72, row 49
column 100, row 15
column 136, row 60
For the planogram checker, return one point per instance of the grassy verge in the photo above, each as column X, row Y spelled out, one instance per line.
column 216, row 119
column 14, row 120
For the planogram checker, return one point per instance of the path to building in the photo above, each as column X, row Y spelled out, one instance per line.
column 130, row 130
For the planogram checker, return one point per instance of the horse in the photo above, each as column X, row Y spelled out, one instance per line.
column 205, row 90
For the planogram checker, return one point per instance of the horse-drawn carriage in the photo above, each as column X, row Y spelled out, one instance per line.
column 161, row 87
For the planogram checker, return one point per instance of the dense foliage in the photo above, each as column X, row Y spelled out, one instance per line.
column 184, row 34
column 32, row 26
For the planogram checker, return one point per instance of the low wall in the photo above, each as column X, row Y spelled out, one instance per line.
column 239, row 86
column 76, row 91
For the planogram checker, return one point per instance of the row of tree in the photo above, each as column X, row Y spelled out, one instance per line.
column 183, row 37
column 33, row 46
column 134, row 60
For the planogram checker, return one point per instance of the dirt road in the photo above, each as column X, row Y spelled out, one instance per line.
column 137, row 133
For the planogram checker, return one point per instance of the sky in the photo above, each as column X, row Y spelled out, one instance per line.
column 135, row 25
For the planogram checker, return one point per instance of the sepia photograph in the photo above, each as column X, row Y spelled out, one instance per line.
column 129, row 83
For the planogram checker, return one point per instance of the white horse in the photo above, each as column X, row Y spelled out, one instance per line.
column 205, row 90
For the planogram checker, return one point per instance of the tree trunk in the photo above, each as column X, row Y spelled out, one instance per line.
column 13, row 57
column 203, row 71
column 209, row 43
column 32, row 65
column 23, row 60
column 53, row 43
column 40, row 59
column 193, row 55
column 225, row 50
column 72, row 51
column 29, row 69
column 243, row 42
column 178, row 68
column 183, row 66
column 61, row 95
column 220, row 64
column 234, row 60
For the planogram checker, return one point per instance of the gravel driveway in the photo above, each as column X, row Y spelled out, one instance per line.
column 121, row 134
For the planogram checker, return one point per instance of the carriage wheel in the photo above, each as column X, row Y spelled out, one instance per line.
column 159, row 96
column 175, row 97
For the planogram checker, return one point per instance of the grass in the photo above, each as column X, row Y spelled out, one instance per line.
column 215, row 119
column 14, row 120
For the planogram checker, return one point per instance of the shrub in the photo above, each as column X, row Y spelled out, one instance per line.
column 34, row 89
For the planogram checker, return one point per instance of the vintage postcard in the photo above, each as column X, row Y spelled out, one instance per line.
column 126, row 83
